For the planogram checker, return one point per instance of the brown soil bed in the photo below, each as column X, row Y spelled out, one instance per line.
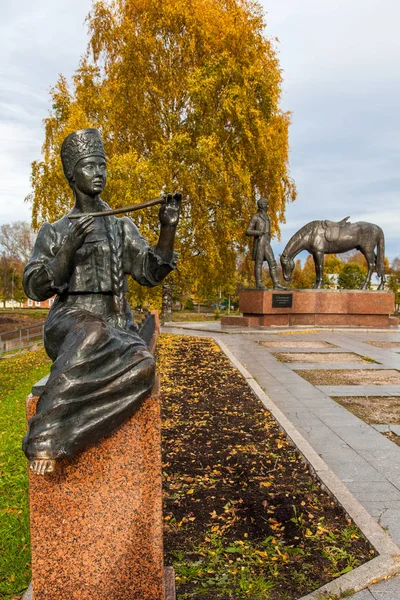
column 351, row 377
column 392, row 437
column 374, row 410
column 384, row 344
column 293, row 344
column 319, row 357
column 244, row 517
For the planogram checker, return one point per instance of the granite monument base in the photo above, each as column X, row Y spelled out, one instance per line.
column 315, row 308
column 96, row 524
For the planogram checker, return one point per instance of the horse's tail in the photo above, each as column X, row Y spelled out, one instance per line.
column 380, row 257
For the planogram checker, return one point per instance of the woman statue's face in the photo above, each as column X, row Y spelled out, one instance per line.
column 90, row 175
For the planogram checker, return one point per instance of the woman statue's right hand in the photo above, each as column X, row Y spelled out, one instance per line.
column 62, row 264
column 77, row 234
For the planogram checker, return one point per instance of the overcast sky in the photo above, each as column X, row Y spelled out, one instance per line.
column 341, row 64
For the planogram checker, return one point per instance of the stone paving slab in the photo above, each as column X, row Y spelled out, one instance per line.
column 299, row 366
column 359, row 390
column 310, row 349
column 387, row 428
column 384, row 590
column 377, row 508
column 386, row 344
column 325, row 358
column 382, row 355
column 364, row 595
column 381, row 376
column 296, row 345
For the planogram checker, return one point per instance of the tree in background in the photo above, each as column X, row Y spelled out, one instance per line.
column 393, row 281
column 297, row 280
column 393, row 284
column 186, row 95
column 332, row 264
column 303, row 277
column 358, row 258
column 16, row 245
column 352, row 276
column 354, row 257
column 395, row 266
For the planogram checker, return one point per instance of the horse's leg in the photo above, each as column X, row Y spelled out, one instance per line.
column 381, row 286
column 319, row 270
column 371, row 260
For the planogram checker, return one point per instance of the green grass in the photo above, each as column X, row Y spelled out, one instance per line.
column 345, row 594
column 369, row 359
column 193, row 316
column 219, row 566
column 180, row 316
column 17, row 375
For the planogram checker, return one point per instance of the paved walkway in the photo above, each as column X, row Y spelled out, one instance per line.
column 365, row 460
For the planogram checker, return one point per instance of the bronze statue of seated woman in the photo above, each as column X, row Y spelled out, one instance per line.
column 102, row 369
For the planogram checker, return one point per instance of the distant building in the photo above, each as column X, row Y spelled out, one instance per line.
column 34, row 304
column 375, row 281
column 11, row 304
column 333, row 280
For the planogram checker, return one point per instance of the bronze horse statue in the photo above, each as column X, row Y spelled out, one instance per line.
column 330, row 237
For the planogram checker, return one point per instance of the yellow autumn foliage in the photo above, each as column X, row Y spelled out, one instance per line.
column 186, row 95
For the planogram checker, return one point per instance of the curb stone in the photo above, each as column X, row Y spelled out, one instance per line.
column 28, row 594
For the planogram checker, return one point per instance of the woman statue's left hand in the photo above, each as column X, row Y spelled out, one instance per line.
column 170, row 209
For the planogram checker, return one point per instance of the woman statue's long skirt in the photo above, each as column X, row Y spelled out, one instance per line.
column 99, row 377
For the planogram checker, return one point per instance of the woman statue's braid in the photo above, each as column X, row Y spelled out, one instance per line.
column 117, row 273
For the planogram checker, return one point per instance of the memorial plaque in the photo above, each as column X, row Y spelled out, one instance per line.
column 282, row 300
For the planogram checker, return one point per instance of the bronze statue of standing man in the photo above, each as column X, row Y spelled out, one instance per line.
column 260, row 229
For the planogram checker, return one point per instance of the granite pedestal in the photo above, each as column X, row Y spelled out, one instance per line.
column 315, row 308
column 96, row 525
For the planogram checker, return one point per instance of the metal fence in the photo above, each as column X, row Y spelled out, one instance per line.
column 20, row 339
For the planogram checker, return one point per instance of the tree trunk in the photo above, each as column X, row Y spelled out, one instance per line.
column 166, row 308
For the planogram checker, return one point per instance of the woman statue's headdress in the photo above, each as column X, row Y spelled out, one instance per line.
column 80, row 144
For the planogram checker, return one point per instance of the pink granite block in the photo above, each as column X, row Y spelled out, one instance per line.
column 331, row 302
column 96, row 525
column 370, row 303
column 331, row 320
column 252, row 301
column 274, row 320
column 253, row 320
column 234, row 321
column 368, row 320
column 260, row 302
column 304, row 301
column 302, row 320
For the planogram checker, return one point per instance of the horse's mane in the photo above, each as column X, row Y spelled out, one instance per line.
column 298, row 235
